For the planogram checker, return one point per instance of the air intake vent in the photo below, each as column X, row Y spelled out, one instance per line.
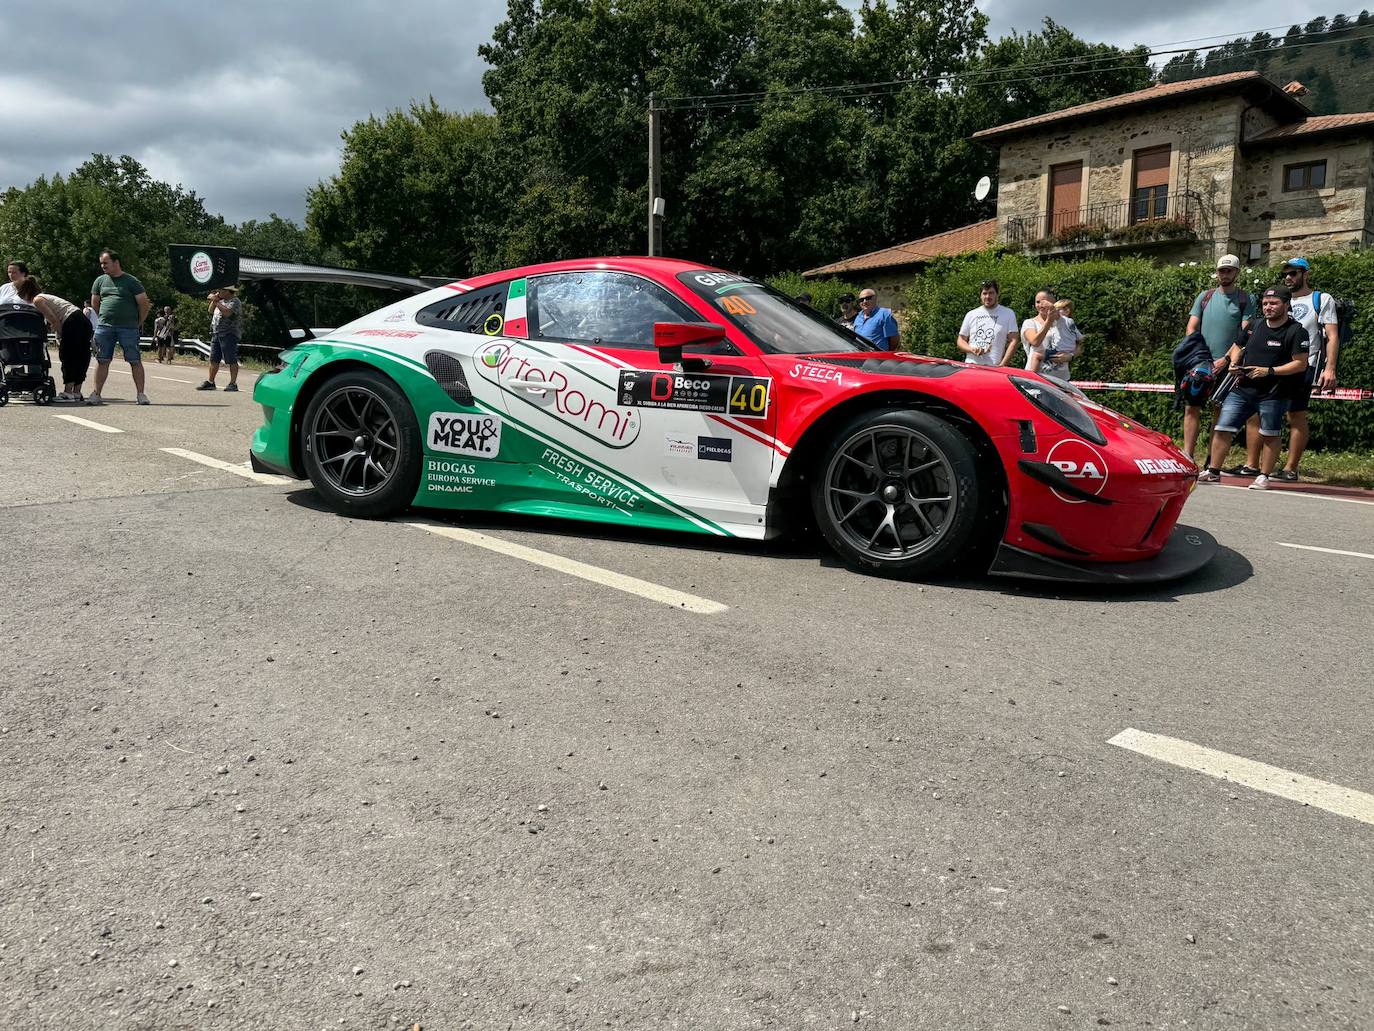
column 448, row 370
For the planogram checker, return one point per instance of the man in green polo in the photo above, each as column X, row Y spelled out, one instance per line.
column 123, row 306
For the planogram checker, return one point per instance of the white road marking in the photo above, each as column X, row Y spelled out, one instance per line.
column 1295, row 787
column 1292, row 493
column 605, row 577
column 87, row 423
column 229, row 467
column 175, row 379
column 1325, row 551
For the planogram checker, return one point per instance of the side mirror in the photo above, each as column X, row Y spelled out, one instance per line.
column 671, row 337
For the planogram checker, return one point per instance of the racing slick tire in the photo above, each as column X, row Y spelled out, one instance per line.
column 898, row 493
column 361, row 445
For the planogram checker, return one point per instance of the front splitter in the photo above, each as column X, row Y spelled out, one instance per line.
column 1187, row 550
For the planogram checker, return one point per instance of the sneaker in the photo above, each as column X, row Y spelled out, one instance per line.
column 1241, row 470
column 231, row 388
column 1261, row 482
column 207, row 385
column 95, row 399
column 143, row 399
column 76, row 396
column 64, row 396
column 1285, row 476
column 1209, row 476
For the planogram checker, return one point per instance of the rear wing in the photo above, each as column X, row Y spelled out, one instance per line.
column 199, row 268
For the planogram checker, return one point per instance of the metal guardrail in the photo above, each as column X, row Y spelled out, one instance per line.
column 1105, row 224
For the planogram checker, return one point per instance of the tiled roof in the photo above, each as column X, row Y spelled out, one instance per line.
column 1318, row 124
column 953, row 241
column 1154, row 94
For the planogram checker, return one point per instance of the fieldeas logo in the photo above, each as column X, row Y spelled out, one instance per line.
column 573, row 397
column 715, row 449
column 202, row 268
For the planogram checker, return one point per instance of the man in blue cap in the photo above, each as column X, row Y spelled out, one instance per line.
column 1315, row 311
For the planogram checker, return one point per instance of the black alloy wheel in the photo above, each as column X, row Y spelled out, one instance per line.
column 898, row 493
column 361, row 444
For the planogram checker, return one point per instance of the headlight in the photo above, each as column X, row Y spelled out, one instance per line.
column 1060, row 407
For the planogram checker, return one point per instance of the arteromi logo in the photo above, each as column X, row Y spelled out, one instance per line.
column 462, row 434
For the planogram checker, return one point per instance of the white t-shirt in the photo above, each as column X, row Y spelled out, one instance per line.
column 984, row 328
column 8, row 294
column 1303, row 312
column 1060, row 338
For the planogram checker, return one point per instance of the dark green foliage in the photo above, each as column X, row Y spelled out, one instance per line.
column 1133, row 313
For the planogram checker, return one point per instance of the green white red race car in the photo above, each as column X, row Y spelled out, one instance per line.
column 659, row 393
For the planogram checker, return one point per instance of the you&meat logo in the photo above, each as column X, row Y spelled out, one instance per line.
column 462, row 434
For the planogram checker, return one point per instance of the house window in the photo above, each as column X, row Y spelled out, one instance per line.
column 1150, row 184
column 1307, row 175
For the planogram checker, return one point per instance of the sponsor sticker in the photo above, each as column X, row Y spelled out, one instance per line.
column 459, row 433
column 745, row 396
column 446, row 477
column 403, row 334
column 714, row 449
column 577, row 477
column 1161, row 466
column 397, row 316
column 202, row 268
column 1082, row 464
column 816, row 371
column 679, row 447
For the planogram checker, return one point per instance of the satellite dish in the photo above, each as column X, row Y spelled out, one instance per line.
column 983, row 188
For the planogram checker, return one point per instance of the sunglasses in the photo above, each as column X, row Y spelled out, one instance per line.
column 867, row 300
column 1292, row 271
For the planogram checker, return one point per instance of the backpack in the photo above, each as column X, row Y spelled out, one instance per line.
column 1345, row 316
column 1244, row 300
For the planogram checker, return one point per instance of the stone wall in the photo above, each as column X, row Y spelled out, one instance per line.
column 1203, row 134
column 1334, row 217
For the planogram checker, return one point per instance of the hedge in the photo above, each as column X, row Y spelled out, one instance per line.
column 1133, row 313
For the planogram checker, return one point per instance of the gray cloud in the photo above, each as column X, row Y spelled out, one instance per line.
column 245, row 104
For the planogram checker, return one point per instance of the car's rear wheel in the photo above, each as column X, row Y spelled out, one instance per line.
column 361, row 444
column 898, row 493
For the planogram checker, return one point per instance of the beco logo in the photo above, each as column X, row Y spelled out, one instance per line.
column 572, row 397
column 1081, row 464
column 202, row 268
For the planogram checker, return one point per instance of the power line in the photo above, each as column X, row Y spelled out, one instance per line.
column 706, row 101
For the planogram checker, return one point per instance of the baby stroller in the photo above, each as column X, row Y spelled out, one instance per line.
column 24, row 362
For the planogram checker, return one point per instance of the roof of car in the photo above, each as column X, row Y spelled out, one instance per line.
column 629, row 263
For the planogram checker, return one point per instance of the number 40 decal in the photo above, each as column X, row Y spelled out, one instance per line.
column 749, row 396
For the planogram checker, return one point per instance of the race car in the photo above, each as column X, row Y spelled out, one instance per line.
column 662, row 393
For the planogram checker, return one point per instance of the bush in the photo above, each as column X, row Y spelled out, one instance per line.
column 825, row 293
column 1133, row 313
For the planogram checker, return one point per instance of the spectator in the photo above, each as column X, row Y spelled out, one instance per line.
column 877, row 325
column 123, row 306
column 9, row 290
column 1221, row 314
column 988, row 334
column 226, row 327
column 1050, row 338
column 164, row 336
column 848, row 309
column 73, row 332
column 1316, row 311
column 1271, row 357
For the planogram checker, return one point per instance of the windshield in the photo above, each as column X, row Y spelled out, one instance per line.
column 773, row 321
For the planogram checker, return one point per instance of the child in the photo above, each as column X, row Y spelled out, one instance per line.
column 1050, row 337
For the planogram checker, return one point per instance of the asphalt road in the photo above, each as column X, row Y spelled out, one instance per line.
column 264, row 766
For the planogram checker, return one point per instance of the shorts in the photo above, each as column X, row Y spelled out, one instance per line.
column 1240, row 405
column 224, row 349
column 126, row 336
column 1302, row 397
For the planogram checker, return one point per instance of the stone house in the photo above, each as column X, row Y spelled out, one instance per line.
column 1181, row 171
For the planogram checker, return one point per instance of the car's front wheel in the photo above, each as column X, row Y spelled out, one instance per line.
column 898, row 493
column 361, row 444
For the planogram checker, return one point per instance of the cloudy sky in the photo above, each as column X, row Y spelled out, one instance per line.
column 250, row 122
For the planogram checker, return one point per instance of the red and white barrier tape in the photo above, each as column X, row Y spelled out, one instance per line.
column 1339, row 394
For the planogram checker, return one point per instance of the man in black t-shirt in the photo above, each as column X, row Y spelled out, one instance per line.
column 1271, row 356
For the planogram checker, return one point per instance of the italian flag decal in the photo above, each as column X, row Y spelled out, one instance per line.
column 515, row 310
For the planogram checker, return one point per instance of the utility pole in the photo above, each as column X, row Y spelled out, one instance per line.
column 655, row 183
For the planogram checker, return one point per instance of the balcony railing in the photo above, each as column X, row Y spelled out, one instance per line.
column 1154, row 219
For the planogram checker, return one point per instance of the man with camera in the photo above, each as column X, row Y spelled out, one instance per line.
column 1271, row 357
column 226, row 327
